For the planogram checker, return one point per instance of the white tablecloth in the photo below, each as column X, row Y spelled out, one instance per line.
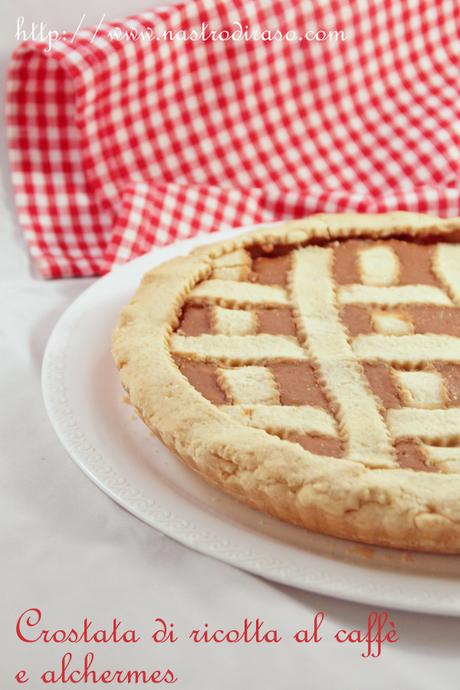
column 72, row 552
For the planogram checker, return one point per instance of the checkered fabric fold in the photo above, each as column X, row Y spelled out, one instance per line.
column 118, row 145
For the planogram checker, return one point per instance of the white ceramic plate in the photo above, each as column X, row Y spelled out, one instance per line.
column 84, row 400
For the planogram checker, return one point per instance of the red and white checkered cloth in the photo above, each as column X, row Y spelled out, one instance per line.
column 118, row 146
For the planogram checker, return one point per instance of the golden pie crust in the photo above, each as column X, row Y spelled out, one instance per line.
column 312, row 371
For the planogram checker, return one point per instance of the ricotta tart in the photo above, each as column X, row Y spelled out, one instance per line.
column 312, row 371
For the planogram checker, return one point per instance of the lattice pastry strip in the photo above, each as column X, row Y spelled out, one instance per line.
column 234, row 349
column 423, row 389
column 285, row 420
column 446, row 265
column 233, row 266
column 391, row 323
column 444, row 459
column 439, row 426
column 392, row 296
column 378, row 266
column 239, row 294
column 233, row 321
column 249, row 385
column 410, row 350
column 359, row 417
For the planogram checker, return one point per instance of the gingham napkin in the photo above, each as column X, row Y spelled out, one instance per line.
column 118, row 145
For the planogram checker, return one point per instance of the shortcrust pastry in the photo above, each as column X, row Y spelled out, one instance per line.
column 312, row 370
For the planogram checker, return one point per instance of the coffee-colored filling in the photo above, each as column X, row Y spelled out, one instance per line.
column 425, row 318
column 320, row 445
column 297, row 381
column 410, row 456
column 195, row 320
column 381, row 384
column 346, row 263
column 414, row 262
column 431, row 319
column 271, row 270
column 356, row 319
column 203, row 377
column 277, row 321
column 451, row 377
column 297, row 384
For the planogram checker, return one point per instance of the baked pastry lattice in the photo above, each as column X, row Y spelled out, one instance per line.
column 312, row 370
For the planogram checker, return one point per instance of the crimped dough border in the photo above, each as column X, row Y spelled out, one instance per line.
column 389, row 507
